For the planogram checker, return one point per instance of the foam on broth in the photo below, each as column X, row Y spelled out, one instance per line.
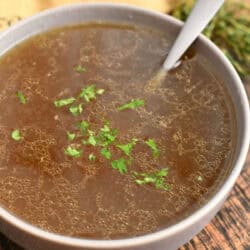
column 190, row 116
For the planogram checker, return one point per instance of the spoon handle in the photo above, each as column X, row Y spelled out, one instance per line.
column 201, row 14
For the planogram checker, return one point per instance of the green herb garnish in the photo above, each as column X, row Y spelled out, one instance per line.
column 157, row 179
column 127, row 148
column 120, row 165
column 151, row 143
column 84, row 127
column 107, row 135
column 134, row 103
column 70, row 151
column 16, row 135
column 63, row 102
column 71, row 136
column 21, row 97
column 106, row 153
column 92, row 140
column 92, row 157
column 76, row 110
column 80, row 69
column 88, row 93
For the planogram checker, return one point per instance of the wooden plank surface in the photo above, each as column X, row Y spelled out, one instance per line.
column 230, row 229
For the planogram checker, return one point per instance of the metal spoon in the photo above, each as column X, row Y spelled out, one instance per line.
column 201, row 14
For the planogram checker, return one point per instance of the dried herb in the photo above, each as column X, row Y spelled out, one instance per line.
column 229, row 30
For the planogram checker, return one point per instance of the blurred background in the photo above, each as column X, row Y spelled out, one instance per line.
column 230, row 31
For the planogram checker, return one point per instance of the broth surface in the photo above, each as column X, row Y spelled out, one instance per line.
column 189, row 116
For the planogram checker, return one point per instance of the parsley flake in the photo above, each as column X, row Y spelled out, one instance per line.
column 21, row 97
column 127, row 148
column 151, row 143
column 70, row 151
column 157, row 179
column 88, row 93
column 76, row 110
column 63, row 102
column 80, row 69
column 92, row 157
column 83, row 126
column 120, row 165
column 71, row 136
column 92, row 140
column 106, row 153
column 134, row 103
column 107, row 135
column 16, row 135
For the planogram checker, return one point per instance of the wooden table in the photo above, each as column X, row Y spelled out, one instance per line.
column 231, row 226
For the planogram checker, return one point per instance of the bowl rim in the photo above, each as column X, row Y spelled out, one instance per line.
column 182, row 224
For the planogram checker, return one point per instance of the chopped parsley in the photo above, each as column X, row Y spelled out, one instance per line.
column 16, row 135
column 92, row 157
column 71, row 136
column 92, row 140
column 127, row 148
column 76, row 110
column 134, row 103
column 21, row 97
column 151, row 143
column 63, row 102
column 107, row 135
column 70, row 151
column 80, row 69
column 89, row 93
column 84, row 127
column 120, row 165
column 157, row 179
column 106, row 153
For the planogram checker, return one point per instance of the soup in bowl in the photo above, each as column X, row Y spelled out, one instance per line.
column 97, row 155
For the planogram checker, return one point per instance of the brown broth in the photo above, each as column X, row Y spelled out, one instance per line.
column 190, row 116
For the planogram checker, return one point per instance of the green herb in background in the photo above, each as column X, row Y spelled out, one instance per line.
column 21, row 97
column 16, row 135
column 229, row 30
column 156, row 178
